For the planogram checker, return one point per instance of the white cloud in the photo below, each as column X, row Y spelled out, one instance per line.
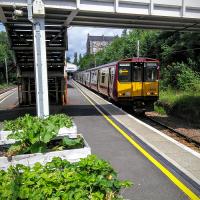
column 77, row 37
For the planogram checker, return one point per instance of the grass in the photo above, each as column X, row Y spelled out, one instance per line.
column 183, row 104
column 160, row 110
column 4, row 85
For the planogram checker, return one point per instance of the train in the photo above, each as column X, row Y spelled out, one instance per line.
column 132, row 82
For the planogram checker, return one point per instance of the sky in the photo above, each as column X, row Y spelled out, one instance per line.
column 2, row 27
column 77, row 37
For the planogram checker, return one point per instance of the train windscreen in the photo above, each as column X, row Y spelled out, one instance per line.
column 150, row 72
column 124, row 74
column 137, row 72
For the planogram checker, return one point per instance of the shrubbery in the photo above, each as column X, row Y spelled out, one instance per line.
column 180, row 76
column 168, row 47
column 180, row 92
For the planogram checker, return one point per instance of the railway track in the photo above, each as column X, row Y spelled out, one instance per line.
column 178, row 136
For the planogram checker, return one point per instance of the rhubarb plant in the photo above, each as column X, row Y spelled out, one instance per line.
column 35, row 135
column 58, row 121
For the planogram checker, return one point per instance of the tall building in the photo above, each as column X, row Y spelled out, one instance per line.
column 97, row 43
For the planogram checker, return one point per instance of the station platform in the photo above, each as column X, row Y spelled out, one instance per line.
column 159, row 167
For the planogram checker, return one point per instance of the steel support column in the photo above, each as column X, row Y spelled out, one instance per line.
column 42, row 98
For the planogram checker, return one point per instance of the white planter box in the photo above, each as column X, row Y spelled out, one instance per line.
column 72, row 155
column 71, row 132
column 3, row 138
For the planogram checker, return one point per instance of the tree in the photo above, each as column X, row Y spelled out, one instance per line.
column 79, row 58
column 168, row 47
column 87, row 61
column 4, row 47
column 5, row 52
column 68, row 59
column 124, row 32
column 75, row 58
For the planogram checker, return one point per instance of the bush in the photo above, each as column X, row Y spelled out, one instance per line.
column 188, row 108
column 4, row 85
column 184, row 105
column 160, row 110
column 181, row 77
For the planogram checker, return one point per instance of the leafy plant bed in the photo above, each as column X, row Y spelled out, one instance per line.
column 54, row 121
column 54, row 127
column 71, row 132
column 53, row 145
column 66, row 148
column 91, row 178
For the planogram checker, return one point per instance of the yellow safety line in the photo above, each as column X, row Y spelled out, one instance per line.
column 175, row 180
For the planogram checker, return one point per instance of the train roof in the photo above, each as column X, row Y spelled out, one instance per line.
column 134, row 59
column 140, row 59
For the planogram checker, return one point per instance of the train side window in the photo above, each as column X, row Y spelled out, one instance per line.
column 94, row 77
column 88, row 77
column 112, row 74
column 103, row 77
column 111, row 77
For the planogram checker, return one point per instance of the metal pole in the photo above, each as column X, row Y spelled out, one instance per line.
column 42, row 97
column 36, row 15
column 6, row 71
column 138, row 48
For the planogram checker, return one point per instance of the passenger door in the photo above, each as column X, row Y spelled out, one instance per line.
column 137, row 79
column 111, row 81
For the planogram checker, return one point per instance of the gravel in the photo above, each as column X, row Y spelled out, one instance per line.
column 187, row 129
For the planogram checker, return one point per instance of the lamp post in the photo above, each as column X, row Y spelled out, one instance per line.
column 95, row 62
column 138, row 48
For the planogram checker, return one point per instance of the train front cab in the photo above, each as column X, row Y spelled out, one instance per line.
column 137, row 84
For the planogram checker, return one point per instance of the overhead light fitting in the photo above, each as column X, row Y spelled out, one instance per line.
column 18, row 13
